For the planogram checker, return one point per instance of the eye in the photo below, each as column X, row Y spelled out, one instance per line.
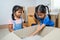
column 19, row 12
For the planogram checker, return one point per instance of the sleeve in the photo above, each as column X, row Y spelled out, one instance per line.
column 46, row 20
column 10, row 22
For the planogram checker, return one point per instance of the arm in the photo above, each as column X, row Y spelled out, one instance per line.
column 10, row 27
column 24, row 25
column 39, row 28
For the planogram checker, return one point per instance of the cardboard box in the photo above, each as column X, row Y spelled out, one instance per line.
column 53, row 17
column 31, row 10
column 50, row 33
column 24, row 14
column 53, row 35
column 31, row 20
column 59, row 20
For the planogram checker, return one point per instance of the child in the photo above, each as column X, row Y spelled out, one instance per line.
column 17, row 21
column 42, row 17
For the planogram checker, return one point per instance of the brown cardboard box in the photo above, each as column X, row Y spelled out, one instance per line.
column 53, row 17
column 48, row 33
column 31, row 20
column 23, row 14
column 59, row 20
column 31, row 10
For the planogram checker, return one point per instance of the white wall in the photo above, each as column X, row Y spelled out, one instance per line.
column 55, row 4
column 6, row 7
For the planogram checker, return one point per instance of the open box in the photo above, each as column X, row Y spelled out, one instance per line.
column 59, row 20
column 48, row 33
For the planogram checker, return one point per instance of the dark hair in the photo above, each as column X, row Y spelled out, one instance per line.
column 15, row 8
column 42, row 9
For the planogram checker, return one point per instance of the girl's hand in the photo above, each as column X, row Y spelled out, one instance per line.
column 11, row 27
column 24, row 25
column 11, row 30
column 39, row 28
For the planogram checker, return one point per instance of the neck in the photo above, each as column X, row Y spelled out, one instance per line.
column 44, row 16
column 16, row 18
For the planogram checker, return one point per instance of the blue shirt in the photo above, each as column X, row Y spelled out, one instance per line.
column 46, row 21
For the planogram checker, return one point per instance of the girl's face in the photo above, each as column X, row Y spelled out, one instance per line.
column 18, row 13
column 41, row 15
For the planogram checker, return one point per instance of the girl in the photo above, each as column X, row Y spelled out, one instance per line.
column 42, row 17
column 17, row 21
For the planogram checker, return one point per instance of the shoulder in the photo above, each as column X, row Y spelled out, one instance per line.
column 10, row 22
column 46, row 18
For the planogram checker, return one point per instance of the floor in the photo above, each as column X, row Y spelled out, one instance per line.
column 3, row 32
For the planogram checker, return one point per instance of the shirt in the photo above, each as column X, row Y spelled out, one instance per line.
column 46, row 21
column 17, row 24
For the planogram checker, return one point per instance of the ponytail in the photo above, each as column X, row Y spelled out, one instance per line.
column 13, row 16
column 15, row 8
column 42, row 9
column 48, row 12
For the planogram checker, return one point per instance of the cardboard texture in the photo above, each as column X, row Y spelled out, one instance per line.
column 11, row 36
column 59, row 20
column 31, row 10
column 48, row 32
column 23, row 14
column 31, row 20
column 53, row 35
column 53, row 17
column 36, row 37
